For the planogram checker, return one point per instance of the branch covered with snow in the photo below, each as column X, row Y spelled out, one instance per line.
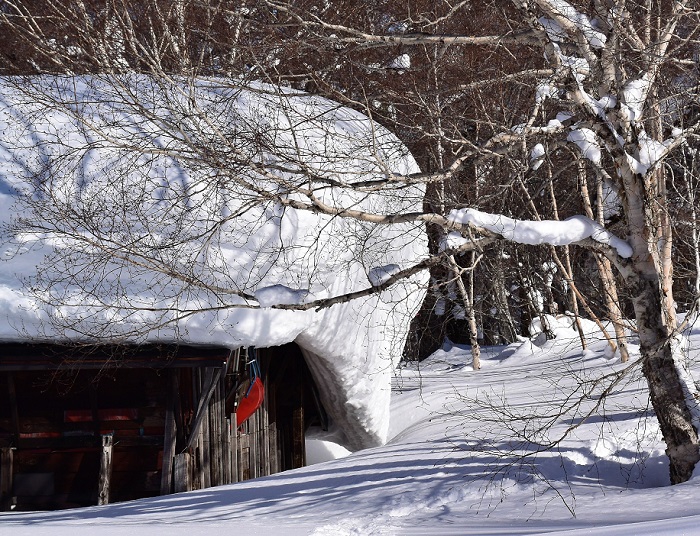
column 552, row 232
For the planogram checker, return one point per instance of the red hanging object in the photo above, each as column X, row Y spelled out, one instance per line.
column 251, row 401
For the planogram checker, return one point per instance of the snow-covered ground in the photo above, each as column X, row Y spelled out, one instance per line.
column 456, row 463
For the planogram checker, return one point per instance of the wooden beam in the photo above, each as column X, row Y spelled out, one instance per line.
column 210, row 380
column 51, row 356
column 6, row 475
column 105, row 469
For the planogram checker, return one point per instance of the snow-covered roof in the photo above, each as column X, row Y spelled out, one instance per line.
column 104, row 164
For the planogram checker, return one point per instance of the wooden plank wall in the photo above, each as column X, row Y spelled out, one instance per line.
column 270, row 441
column 225, row 453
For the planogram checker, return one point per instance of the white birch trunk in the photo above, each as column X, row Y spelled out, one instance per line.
column 646, row 280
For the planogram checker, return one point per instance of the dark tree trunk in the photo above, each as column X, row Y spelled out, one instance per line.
column 666, row 388
column 668, row 401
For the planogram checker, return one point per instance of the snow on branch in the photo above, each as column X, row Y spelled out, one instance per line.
column 555, row 233
column 587, row 142
column 566, row 18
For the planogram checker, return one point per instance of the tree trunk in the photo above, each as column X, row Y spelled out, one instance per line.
column 666, row 387
column 612, row 302
column 655, row 316
column 467, row 297
column 607, row 278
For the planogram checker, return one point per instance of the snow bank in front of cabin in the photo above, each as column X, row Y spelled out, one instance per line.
column 453, row 464
column 264, row 254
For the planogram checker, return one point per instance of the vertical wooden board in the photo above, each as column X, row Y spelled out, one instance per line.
column 265, row 440
column 235, row 455
column 183, row 401
column 214, row 440
column 106, row 465
column 272, row 446
column 243, row 452
column 6, row 474
column 219, row 436
column 273, row 434
column 214, row 444
column 226, row 457
column 253, row 445
column 182, row 477
column 262, row 438
column 196, row 463
column 244, row 457
column 205, row 451
column 260, row 445
column 298, row 446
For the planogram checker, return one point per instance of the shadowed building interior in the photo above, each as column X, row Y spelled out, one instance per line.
column 89, row 425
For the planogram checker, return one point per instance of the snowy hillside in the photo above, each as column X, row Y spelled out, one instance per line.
column 453, row 466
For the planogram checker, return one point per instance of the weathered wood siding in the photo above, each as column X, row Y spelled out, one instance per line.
column 93, row 436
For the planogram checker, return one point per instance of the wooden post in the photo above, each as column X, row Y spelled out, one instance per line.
column 298, row 446
column 166, row 476
column 6, row 474
column 182, row 478
column 105, row 469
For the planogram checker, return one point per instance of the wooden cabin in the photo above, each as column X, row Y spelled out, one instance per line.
column 86, row 425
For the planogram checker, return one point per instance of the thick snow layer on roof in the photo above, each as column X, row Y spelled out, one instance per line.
column 122, row 153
